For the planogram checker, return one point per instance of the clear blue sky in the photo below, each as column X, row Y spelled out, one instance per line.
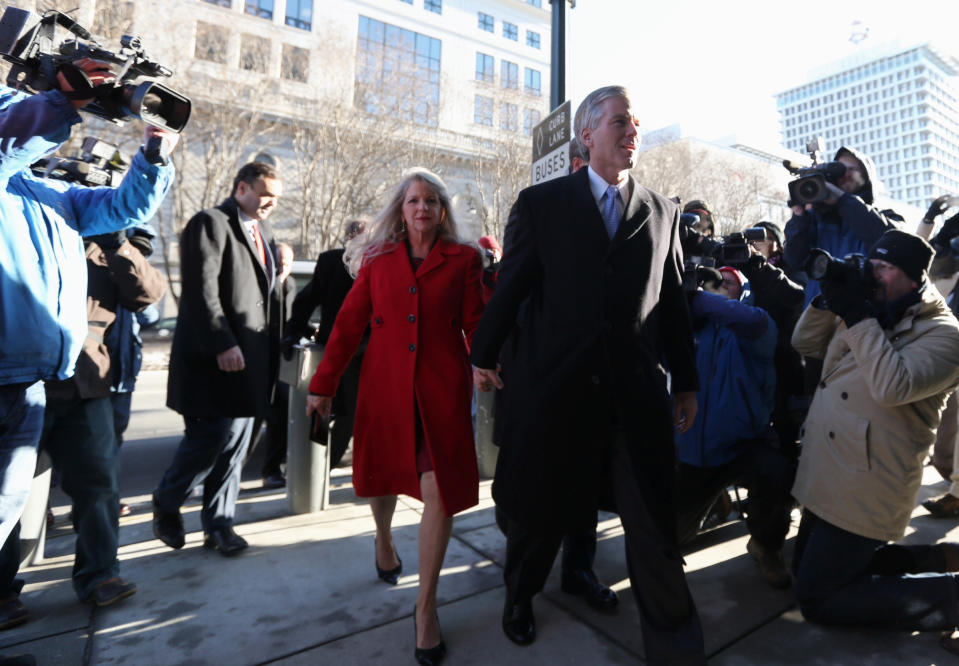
column 713, row 66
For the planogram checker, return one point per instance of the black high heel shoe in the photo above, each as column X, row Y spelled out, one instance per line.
column 428, row 656
column 391, row 576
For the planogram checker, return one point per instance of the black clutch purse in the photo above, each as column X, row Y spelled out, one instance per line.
column 319, row 429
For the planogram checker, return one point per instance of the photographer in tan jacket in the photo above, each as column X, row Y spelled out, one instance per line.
column 890, row 347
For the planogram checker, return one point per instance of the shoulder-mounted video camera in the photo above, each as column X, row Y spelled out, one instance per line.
column 729, row 250
column 810, row 186
column 820, row 265
column 36, row 59
column 99, row 163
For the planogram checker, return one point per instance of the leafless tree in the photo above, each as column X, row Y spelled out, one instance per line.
column 736, row 186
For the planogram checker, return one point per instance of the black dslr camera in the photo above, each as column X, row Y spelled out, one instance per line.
column 820, row 265
column 810, row 186
column 36, row 59
column 99, row 163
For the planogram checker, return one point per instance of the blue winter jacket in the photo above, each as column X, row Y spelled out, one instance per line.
column 43, row 273
column 735, row 346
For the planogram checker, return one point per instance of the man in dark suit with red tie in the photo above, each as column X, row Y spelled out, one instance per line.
column 224, row 355
column 590, row 295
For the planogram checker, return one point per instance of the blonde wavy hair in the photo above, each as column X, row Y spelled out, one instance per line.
column 387, row 229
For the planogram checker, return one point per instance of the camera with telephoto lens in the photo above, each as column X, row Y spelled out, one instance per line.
column 820, row 265
column 99, row 163
column 36, row 60
column 810, row 184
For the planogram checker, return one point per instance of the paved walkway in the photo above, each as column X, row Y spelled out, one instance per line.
column 306, row 592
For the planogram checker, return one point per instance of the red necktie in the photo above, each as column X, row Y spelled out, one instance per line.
column 258, row 239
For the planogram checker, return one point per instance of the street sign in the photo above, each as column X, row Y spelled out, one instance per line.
column 551, row 145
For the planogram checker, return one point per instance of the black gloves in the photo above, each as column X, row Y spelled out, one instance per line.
column 937, row 208
column 156, row 151
column 109, row 242
column 286, row 346
column 755, row 262
column 847, row 297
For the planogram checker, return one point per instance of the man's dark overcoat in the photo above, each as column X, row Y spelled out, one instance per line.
column 592, row 320
column 227, row 298
column 328, row 287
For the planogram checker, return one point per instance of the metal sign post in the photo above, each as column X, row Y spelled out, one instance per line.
column 551, row 145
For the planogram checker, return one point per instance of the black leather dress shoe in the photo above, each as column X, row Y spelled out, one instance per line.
column 583, row 583
column 518, row 623
column 168, row 527
column 225, row 540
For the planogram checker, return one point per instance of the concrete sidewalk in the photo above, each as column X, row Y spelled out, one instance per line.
column 306, row 591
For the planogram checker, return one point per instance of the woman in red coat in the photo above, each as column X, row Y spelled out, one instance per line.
column 418, row 289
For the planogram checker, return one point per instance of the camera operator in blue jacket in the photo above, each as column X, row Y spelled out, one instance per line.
column 43, row 272
column 731, row 440
column 847, row 222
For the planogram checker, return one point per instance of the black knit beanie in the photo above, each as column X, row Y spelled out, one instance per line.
column 904, row 250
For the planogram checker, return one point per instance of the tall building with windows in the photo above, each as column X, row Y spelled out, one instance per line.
column 899, row 106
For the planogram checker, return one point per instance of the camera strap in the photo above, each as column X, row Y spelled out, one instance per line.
column 78, row 80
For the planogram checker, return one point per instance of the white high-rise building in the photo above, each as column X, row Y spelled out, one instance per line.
column 899, row 106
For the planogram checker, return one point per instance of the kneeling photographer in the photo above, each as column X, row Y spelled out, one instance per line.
column 731, row 440
column 891, row 357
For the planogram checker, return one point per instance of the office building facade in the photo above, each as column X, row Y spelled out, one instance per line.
column 896, row 105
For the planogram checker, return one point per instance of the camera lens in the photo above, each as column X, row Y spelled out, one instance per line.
column 809, row 190
column 818, row 266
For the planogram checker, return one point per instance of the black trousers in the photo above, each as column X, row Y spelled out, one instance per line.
column 762, row 469
column 579, row 545
column 276, row 432
column 672, row 633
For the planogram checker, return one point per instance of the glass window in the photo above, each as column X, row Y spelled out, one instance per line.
column 510, row 31
column 397, row 72
column 483, row 110
column 299, row 13
column 261, row 8
column 508, row 117
column 485, row 22
column 296, row 63
column 210, row 42
column 532, row 81
column 433, row 6
column 509, row 74
column 222, row 3
column 532, row 39
column 484, row 67
column 531, row 118
column 535, row 3
column 254, row 53
column 409, row 2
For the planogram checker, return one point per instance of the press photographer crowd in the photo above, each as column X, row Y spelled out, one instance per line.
column 810, row 366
